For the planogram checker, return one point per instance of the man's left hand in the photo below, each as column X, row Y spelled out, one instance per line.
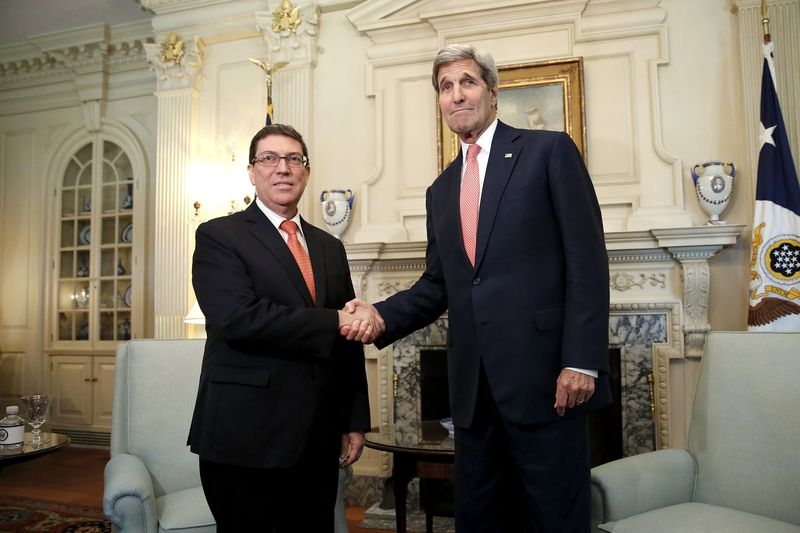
column 572, row 388
column 352, row 446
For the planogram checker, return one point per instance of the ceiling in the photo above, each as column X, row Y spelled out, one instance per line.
column 22, row 18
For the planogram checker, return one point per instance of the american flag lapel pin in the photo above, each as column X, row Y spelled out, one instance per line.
column 508, row 156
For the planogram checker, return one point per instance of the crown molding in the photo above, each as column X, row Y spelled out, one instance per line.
column 62, row 69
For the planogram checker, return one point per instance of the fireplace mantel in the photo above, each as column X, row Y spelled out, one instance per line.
column 659, row 283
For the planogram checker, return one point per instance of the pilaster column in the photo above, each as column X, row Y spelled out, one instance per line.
column 291, row 38
column 179, row 77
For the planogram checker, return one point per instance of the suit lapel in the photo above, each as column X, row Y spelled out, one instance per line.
column 268, row 235
column 502, row 158
column 452, row 207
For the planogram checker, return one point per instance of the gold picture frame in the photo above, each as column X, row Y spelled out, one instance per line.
column 555, row 86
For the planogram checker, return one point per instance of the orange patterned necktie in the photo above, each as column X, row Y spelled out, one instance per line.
column 470, row 202
column 300, row 256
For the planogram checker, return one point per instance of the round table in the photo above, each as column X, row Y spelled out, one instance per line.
column 427, row 453
column 55, row 441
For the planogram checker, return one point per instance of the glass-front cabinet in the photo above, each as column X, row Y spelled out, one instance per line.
column 96, row 258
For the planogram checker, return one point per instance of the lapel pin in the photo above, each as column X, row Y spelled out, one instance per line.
column 508, row 156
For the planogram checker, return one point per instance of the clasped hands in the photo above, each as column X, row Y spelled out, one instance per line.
column 360, row 321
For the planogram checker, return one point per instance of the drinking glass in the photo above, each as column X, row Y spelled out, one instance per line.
column 36, row 407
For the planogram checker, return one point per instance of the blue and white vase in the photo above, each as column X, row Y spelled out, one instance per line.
column 336, row 207
column 714, row 187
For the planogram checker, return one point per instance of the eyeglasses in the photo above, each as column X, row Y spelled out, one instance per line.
column 271, row 159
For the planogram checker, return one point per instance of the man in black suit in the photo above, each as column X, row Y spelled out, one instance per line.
column 282, row 401
column 526, row 286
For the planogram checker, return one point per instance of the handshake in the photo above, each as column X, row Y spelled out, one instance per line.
column 360, row 321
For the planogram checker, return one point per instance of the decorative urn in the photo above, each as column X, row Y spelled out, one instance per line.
column 336, row 207
column 714, row 187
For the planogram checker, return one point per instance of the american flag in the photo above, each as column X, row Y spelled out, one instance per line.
column 775, row 259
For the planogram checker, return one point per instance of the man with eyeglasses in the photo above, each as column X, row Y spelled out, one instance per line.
column 282, row 401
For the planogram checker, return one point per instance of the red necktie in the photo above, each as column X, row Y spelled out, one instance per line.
column 300, row 256
column 470, row 202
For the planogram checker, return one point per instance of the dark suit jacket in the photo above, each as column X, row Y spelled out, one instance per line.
column 537, row 300
column 274, row 363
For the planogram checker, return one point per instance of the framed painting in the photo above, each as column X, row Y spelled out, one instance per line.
column 543, row 95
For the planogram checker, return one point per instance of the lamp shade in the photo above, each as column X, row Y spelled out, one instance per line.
column 195, row 315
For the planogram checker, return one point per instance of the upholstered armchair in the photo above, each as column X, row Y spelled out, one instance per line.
column 740, row 471
column 152, row 481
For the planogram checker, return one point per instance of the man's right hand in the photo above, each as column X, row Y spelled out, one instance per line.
column 360, row 321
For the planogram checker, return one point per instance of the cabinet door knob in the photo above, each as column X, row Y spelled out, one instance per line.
column 94, row 380
column 87, row 380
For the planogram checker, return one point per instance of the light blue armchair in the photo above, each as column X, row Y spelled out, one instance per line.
column 741, row 469
column 152, row 481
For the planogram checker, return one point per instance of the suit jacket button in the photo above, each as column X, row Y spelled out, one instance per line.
column 476, row 281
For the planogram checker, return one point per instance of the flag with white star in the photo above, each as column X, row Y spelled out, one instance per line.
column 775, row 259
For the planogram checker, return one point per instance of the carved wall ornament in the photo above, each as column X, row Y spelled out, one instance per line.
column 172, row 49
column 291, row 31
column 286, row 18
column 387, row 288
column 622, row 281
column 696, row 279
column 177, row 73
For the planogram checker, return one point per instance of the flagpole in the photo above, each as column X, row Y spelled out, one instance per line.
column 765, row 21
column 268, row 69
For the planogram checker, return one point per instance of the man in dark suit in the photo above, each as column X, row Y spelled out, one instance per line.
column 282, row 400
column 516, row 254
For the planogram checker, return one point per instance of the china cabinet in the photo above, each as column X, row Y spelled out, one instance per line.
column 96, row 281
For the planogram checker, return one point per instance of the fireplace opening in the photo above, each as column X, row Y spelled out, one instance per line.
column 605, row 424
column 436, row 495
column 433, row 388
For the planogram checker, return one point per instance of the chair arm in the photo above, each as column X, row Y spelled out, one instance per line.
column 128, row 498
column 641, row 483
column 339, row 513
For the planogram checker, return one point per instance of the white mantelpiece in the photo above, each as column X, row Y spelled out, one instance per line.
column 659, row 282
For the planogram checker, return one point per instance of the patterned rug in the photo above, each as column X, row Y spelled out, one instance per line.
column 377, row 518
column 18, row 515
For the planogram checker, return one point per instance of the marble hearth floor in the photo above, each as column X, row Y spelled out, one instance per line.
column 74, row 475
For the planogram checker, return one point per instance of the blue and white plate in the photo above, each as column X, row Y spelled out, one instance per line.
column 85, row 235
column 127, row 233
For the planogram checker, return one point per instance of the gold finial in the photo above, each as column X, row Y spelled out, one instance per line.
column 268, row 69
column 172, row 49
column 765, row 21
column 286, row 18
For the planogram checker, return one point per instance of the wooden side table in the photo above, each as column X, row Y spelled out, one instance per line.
column 427, row 455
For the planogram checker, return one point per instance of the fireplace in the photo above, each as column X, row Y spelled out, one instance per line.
column 659, row 284
column 626, row 427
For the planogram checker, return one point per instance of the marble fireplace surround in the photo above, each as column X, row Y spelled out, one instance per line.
column 659, row 281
